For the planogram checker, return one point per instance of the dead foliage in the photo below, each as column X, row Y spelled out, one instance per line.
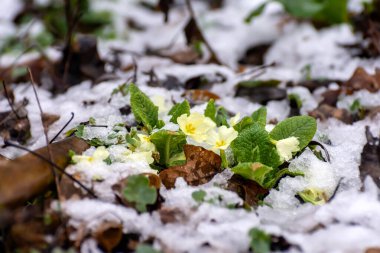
column 250, row 191
column 361, row 79
column 201, row 166
column 370, row 158
column 325, row 111
column 33, row 174
column 14, row 124
column 199, row 96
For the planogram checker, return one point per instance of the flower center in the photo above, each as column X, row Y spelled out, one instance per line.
column 220, row 143
column 190, row 129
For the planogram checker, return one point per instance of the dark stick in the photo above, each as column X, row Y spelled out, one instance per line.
column 63, row 128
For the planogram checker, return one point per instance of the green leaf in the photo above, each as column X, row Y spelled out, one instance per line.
column 145, row 248
column 302, row 127
column 79, row 131
column 256, row 12
column 139, row 192
column 221, row 117
column 143, row 108
column 314, row 196
column 199, row 196
column 253, row 145
column 304, row 8
column 260, row 241
column 210, row 110
column 324, row 11
column 108, row 160
column 253, row 171
column 179, row 109
column 260, row 116
column 243, row 123
column 168, row 144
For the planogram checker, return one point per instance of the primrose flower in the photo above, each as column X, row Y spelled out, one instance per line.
column 195, row 125
column 286, row 147
column 222, row 138
column 235, row 119
column 138, row 157
column 314, row 196
column 100, row 154
column 145, row 144
column 163, row 106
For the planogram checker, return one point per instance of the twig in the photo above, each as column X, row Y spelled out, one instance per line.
column 9, row 100
column 90, row 192
column 45, row 133
column 63, row 128
column 214, row 56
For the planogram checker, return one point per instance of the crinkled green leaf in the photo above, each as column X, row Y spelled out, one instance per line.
column 243, row 123
column 260, row 116
column 179, row 109
column 168, row 143
column 143, row 108
column 253, row 145
column 302, row 127
column 260, row 241
column 210, row 110
column 221, row 117
column 139, row 192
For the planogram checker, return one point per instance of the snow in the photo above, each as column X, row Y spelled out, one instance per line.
column 350, row 222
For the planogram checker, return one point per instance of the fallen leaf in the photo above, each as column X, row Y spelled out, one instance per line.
column 250, row 191
column 108, row 235
column 370, row 158
column 171, row 215
column 33, row 174
column 361, row 79
column 255, row 55
column 49, row 119
column 372, row 250
column 199, row 96
column 324, row 112
column 201, row 166
column 15, row 125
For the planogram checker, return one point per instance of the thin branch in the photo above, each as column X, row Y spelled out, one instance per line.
column 63, row 128
column 45, row 132
column 203, row 38
column 10, row 144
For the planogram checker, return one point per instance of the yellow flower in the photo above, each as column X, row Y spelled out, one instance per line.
column 314, row 196
column 145, row 144
column 163, row 106
column 195, row 125
column 235, row 119
column 221, row 138
column 140, row 156
column 286, row 147
column 100, row 154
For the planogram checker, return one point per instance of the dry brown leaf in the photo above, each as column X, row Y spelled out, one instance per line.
column 361, row 79
column 250, row 191
column 108, row 235
column 28, row 175
column 199, row 96
column 201, row 166
column 370, row 159
column 323, row 112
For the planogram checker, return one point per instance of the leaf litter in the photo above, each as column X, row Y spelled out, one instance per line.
column 282, row 198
